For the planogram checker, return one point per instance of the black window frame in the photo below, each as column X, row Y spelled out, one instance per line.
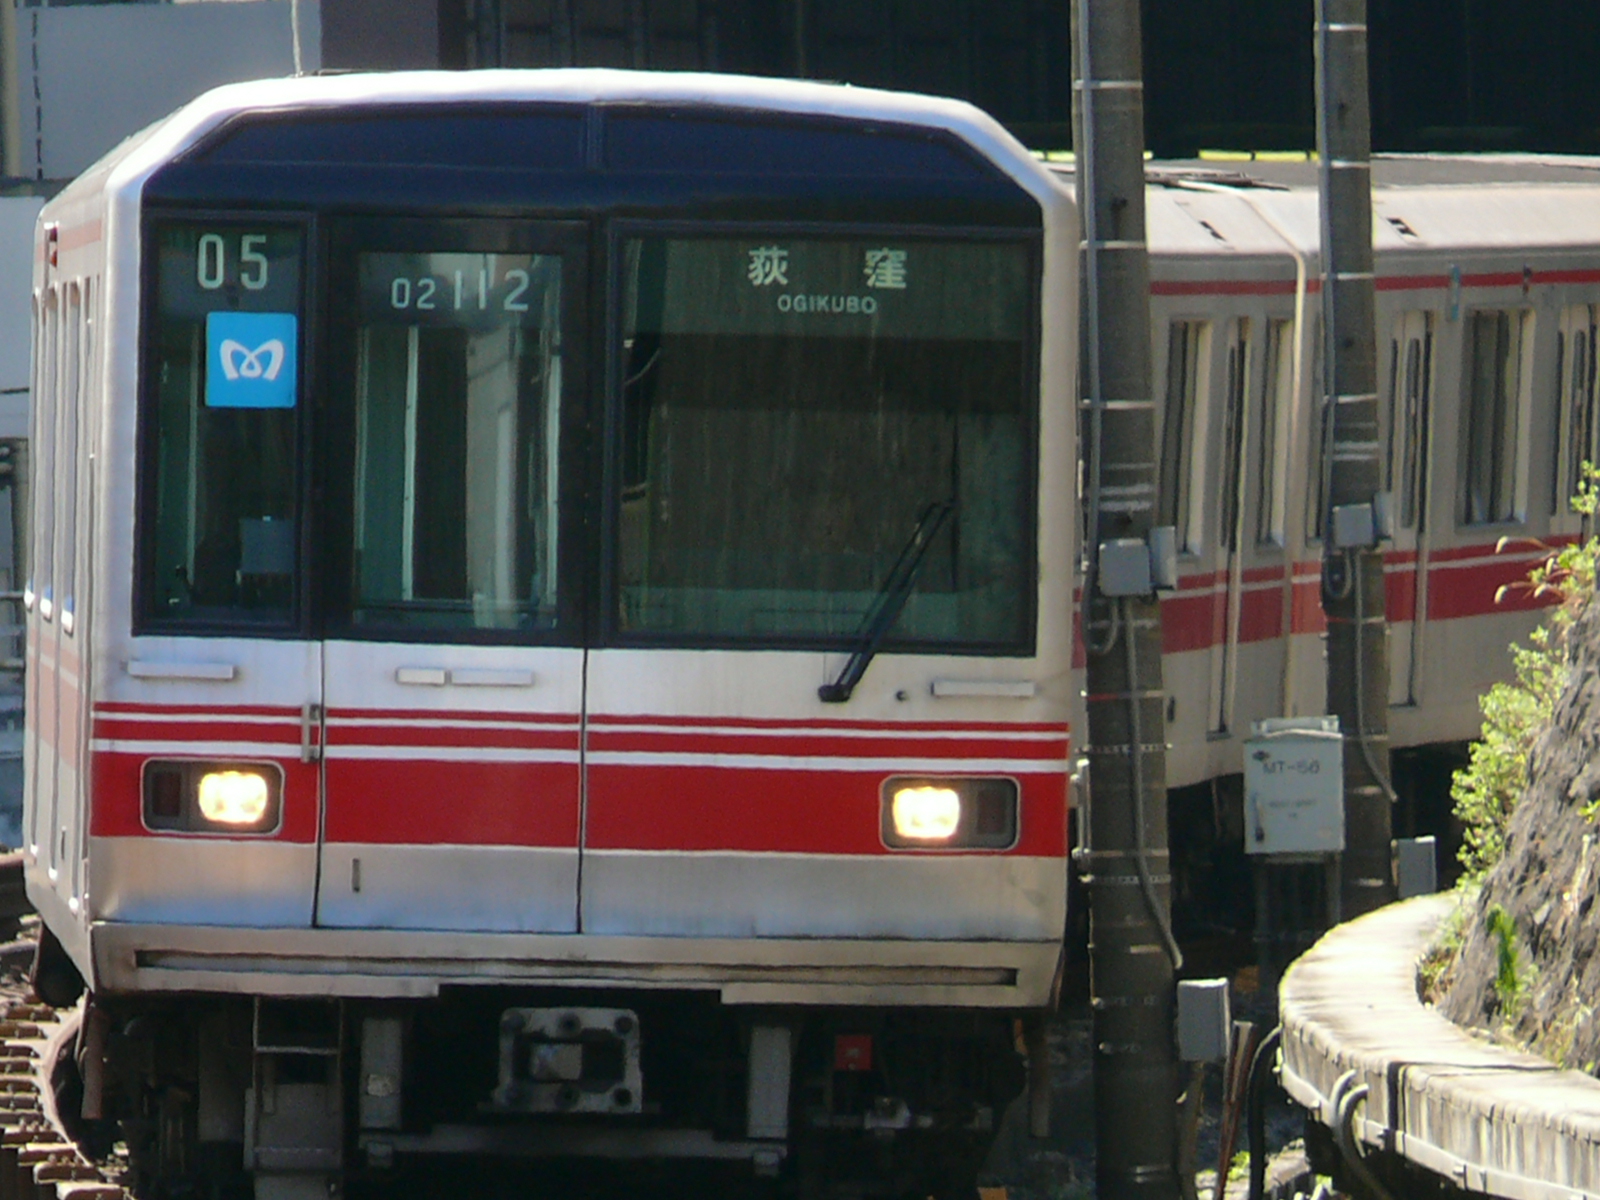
column 301, row 620
column 607, row 633
column 351, row 234
column 1489, row 467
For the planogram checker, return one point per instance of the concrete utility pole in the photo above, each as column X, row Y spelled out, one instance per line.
column 1132, row 952
column 1352, row 562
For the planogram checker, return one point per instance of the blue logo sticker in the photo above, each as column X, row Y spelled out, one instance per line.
column 250, row 359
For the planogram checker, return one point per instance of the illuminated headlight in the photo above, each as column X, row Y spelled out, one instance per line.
column 234, row 797
column 209, row 797
column 967, row 813
column 924, row 813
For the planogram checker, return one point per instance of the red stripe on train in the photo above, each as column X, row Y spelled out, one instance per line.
column 452, row 803
column 662, row 808
column 1384, row 283
column 452, row 738
column 1462, row 582
column 1053, row 750
column 825, row 725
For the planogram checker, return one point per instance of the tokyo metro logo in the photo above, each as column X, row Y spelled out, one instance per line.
column 241, row 361
column 250, row 360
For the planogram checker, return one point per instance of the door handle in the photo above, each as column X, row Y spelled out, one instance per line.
column 464, row 677
column 310, row 744
column 199, row 672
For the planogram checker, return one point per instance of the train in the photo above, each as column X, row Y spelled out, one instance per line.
column 550, row 622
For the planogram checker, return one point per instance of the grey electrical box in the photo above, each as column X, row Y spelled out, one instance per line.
column 1204, row 1020
column 1124, row 567
column 1354, row 525
column 1294, row 787
column 1416, row 867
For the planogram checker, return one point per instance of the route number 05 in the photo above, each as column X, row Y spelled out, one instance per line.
column 211, row 262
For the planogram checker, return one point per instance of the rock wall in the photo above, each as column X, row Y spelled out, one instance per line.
column 1546, row 884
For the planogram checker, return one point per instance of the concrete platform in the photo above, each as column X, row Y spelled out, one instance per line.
column 1491, row 1120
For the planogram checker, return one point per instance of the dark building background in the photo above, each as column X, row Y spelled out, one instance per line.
column 1223, row 74
column 1446, row 75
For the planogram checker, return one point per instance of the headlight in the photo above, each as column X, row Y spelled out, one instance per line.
column 210, row 797
column 924, row 813
column 967, row 813
column 234, row 797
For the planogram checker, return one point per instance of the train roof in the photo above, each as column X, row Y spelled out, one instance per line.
column 1283, row 172
column 1391, row 171
column 1425, row 206
column 137, row 156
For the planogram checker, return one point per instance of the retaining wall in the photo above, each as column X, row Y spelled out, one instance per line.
column 1491, row 1120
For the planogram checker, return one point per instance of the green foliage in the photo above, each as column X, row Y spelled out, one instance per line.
column 1504, row 931
column 1486, row 790
column 1511, row 979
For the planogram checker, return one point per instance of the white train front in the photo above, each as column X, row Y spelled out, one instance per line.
column 470, row 508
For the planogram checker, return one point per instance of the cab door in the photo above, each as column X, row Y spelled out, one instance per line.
column 453, row 666
column 822, row 448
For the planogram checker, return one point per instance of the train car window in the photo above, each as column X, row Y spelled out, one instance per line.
column 222, row 416
column 74, row 380
column 1235, row 406
column 812, row 427
column 25, row 511
column 1183, row 425
column 1410, row 386
column 1498, row 371
column 1576, row 430
column 1277, row 411
column 45, row 411
column 457, row 415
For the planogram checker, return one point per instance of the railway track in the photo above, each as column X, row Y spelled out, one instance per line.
column 39, row 1159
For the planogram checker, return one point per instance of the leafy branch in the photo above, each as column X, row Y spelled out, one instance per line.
column 1487, row 789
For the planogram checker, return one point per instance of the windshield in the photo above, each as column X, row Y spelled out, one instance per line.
column 791, row 409
column 224, row 404
column 458, row 383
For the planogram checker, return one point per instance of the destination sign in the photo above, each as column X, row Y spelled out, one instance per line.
column 807, row 287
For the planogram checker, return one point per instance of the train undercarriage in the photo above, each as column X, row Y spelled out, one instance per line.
column 232, row 1097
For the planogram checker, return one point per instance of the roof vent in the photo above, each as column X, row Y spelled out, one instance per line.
column 1402, row 228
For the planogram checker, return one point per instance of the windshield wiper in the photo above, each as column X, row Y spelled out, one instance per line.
column 891, row 598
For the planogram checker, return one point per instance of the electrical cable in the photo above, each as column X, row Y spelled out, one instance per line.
column 1255, row 1119
column 1141, row 844
column 1382, row 777
column 1346, row 1098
